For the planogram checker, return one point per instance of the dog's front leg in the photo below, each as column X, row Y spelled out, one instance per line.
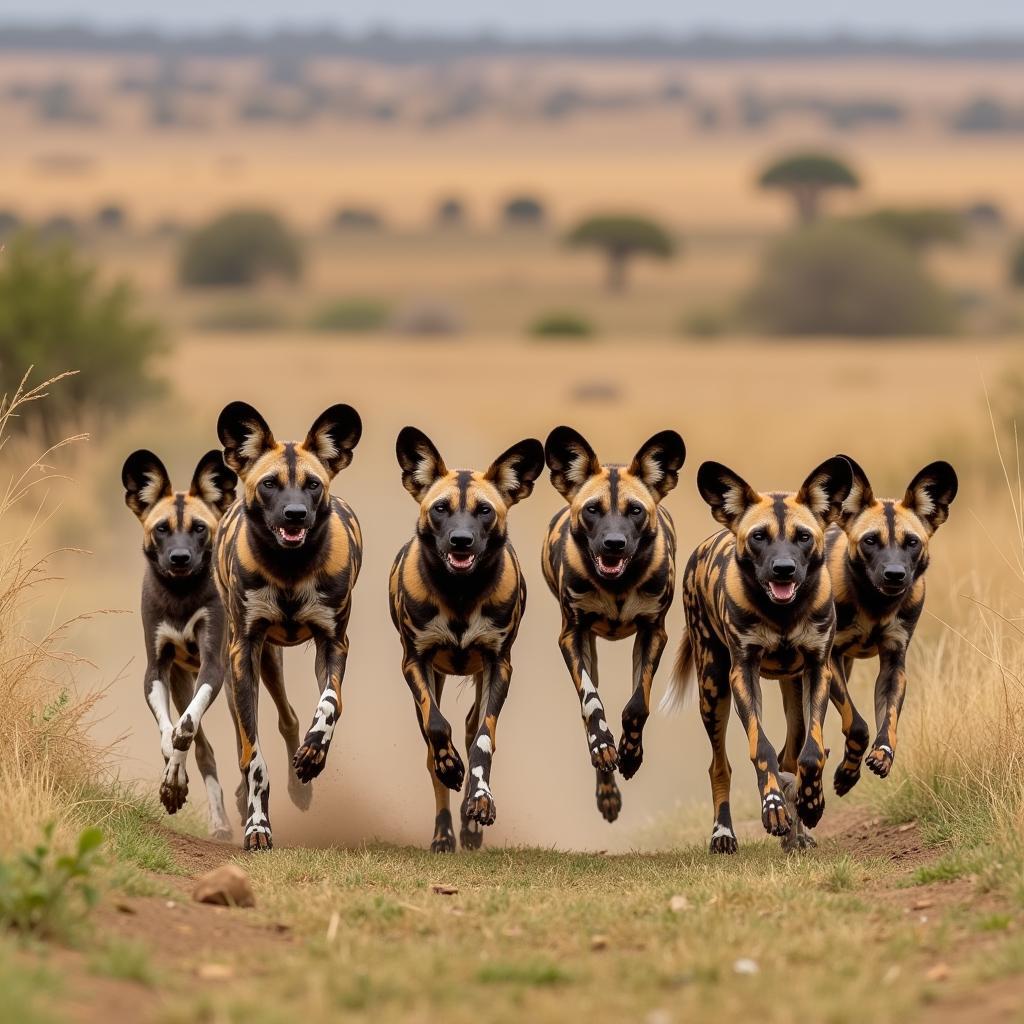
column 810, row 793
column 478, row 806
column 244, row 657
column 331, row 658
column 573, row 642
column 446, row 764
column 745, row 682
column 890, row 691
column 647, row 650
column 855, row 729
column 156, row 687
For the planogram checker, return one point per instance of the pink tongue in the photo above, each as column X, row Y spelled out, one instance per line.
column 782, row 591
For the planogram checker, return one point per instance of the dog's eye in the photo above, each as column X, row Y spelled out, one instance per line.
column 912, row 541
column 758, row 536
column 199, row 528
column 312, row 484
column 441, row 507
column 592, row 509
column 269, row 484
column 869, row 542
column 162, row 528
column 484, row 511
column 803, row 536
column 636, row 510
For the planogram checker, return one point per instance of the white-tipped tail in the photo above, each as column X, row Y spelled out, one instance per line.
column 680, row 688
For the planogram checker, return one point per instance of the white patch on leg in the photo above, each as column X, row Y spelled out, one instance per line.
column 215, row 802
column 722, row 832
column 484, row 743
column 197, row 708
column 587, row 687
column 159, row 703
column 482, row 788
column 592, row 706
column 257, row 821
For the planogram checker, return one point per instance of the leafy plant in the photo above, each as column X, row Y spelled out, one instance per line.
column 350, row 315
column 42, row 892
column 562, row 324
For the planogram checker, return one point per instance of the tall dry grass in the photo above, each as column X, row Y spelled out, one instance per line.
column 50, row 768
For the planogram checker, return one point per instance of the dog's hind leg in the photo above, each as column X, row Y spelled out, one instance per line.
column 712, row 664
column 220, row 827
column 272, row 674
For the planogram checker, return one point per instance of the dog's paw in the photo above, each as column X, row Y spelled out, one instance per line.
column 257, row 838
column 174, row 786
column 631, row 755
column 222, row 834
column 798, row 841
column 609, row 799
column 846, row 777
column 480, row 807
column 723, row 840
column 443, row 841
column 299, row 793
column 810, row 798
column 448, row 767
column 774, row 815
column 603, row 754
column 880, row 760
column 310, row 758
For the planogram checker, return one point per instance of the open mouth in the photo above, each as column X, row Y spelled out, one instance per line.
column 893, row 589
column 291, row 536
column 611, row 566
column 781, row 593
column 460, row 562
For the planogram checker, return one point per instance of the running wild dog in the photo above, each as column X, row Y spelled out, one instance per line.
column 758, row 602
column 877, row 560
column 287, row 555
column 609, row 559
column 457, row 598
column 182, row 615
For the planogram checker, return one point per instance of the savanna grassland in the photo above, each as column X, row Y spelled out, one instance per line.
column 912, row 906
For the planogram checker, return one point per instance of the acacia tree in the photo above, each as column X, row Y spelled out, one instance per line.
column 806, row 177
column 621, row 237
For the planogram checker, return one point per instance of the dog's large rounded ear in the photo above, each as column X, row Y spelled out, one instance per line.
column 214, row 483
column 145, row 481
column 861, row 495
column 728, row 494
column 571, row 460
column 515, row 471
column 930, row 494
column 333, row 437
column 826, row 488
column 421, row 462
column 245, row 436
column 658, row 462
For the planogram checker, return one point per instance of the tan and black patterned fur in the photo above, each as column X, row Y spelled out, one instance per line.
column 758, row 602
column 609, row 559
column 877, row 561
column 182, row 615
column 457, row 596
column 287, row 554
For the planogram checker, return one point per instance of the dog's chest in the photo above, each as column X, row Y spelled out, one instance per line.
column 865, row 636
column 291, row 615
column 182, row 639
column 461, row 644
column 614, row 616
column 785, row 651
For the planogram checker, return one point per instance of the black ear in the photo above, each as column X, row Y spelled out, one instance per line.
column 244, row 434
column 571, row 460
column 826, row 488
column 930, row 494
column 213, row 482
column 145, row 481
column 658, row 462
column 728, row 495
column 421, row 462
column 333, row 437
column 861, row 495
column 514, row 472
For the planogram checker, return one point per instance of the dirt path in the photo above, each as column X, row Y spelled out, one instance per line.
column 203, row 945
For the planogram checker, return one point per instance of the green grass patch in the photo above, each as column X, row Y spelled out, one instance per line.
column 351, row 315
column 132, row 829
column 946, row 869
column 562, row 324
column 531, row 973
column 126, row 961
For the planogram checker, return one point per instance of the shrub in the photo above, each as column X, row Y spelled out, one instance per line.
column 1017, row 265
column 561, row 324
column 239, row 248
column 55, row 315
column 451, row 213
column 58, row 227
column 523, row 211
column 350, row 315
column 111, row 217
column 918, row 227
column 847, row 279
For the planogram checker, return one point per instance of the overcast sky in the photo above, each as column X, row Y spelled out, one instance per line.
column 917, row 17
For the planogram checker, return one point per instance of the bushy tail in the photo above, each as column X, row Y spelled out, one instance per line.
column 680, row 688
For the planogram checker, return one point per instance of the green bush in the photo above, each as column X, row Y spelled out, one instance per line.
column 1017, row 265
column 56, row 316
column 350, row 315
column 834, row 278
column 561, row 324
column 243, row 316
column 919, row 226
column 239, row 248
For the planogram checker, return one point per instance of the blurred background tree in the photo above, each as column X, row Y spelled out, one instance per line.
column 919, row 226
column 807, row 177
column 621, row 237
column 55, row 315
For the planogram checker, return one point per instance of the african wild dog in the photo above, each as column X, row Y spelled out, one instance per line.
column 288, row 554
column 182, row 615
column 877, row 561
column 609, row 559
column 457, row 597
column 758, row 602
